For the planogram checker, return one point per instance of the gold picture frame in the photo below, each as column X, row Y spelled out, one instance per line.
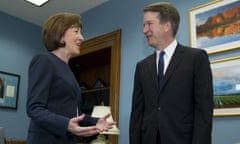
column 226, row 85
column 215, row 26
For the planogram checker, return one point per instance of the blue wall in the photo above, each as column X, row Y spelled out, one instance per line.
column 21, row 40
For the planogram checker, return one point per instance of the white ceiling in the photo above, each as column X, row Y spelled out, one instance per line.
column 37, row 15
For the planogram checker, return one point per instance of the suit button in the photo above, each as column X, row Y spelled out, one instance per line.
column 159, row 108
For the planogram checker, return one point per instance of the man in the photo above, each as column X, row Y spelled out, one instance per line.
column 178, row 108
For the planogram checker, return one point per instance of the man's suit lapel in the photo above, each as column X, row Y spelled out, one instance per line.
column 153, row 69
column 174, row 63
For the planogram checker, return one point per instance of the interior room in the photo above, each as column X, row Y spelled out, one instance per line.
column 108, row 24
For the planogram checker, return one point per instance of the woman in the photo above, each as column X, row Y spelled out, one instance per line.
column 53, row 102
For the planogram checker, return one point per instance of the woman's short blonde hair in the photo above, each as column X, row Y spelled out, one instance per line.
column 55, row 28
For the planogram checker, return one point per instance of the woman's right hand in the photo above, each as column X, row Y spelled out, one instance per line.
column 73, row 127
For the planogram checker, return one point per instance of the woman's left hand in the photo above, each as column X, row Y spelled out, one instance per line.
column 103, row 125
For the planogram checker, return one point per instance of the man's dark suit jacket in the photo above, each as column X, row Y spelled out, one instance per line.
column 181, row 110
column 53, row 98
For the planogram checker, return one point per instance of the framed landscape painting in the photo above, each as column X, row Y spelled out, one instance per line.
column 215, row 26
column 226, row 85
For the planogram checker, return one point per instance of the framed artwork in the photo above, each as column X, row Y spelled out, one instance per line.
column 226, row 85
column 9, row 89
column 215, row 26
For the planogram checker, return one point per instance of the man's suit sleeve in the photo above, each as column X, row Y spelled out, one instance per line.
column 203, row 97
column 137, row 110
